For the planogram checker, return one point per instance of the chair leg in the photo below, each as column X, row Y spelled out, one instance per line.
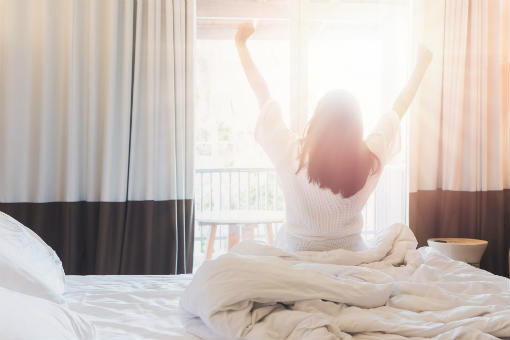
column 234, row 231
column 249, row 231
column 269, row 231
column 210, row 244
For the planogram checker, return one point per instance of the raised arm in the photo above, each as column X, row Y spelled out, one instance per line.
column 406, row 96
column 257, row 82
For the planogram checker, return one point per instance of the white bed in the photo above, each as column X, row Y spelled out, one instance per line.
column 129, row 306
column 135, row 306
column 390, row 291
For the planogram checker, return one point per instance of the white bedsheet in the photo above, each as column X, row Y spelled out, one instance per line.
column 130, row 306
column 392, row 291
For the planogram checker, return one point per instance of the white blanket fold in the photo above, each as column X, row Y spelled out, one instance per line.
column 391, row 291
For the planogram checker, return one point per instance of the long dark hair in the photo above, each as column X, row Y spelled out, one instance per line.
column 332, row 148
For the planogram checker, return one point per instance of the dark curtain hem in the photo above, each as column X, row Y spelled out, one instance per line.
column 135, row 237
column 483, row 215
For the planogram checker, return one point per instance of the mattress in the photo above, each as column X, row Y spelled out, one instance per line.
column 130, row 306
column 135, row 306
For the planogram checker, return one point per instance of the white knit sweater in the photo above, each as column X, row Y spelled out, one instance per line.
column 318, row 219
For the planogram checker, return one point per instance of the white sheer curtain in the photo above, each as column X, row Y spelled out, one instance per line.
column 65, row 100
column 65, row 88
column 460, row 134
column 162, row 135
column 460, row 130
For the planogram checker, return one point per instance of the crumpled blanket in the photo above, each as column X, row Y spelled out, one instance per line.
column 391, row 291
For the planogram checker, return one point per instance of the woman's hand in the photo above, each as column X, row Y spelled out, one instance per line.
column 424, row 56
column 257, row 82
column 423, row 59
column 244, row 31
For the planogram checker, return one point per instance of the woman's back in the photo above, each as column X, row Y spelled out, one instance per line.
column 316, row 218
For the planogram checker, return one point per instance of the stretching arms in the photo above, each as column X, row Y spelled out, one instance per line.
column 406, row 96
column 257, row 82
column 261, row 90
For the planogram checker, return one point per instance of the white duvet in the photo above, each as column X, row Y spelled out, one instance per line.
column 392, row 291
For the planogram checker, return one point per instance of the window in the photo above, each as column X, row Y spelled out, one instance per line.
column 304, row 48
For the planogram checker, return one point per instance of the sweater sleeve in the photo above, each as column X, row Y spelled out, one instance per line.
column 384, row 140
column 275, row 138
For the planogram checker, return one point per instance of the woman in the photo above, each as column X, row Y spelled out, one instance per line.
column 329, row 173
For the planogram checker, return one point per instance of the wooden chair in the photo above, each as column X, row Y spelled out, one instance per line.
column 241, row 225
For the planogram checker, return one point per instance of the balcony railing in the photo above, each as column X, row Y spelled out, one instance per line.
column 237, row 189
column 252, row 189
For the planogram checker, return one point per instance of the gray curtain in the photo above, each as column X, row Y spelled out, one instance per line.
column 460, row 133
column 96, row 130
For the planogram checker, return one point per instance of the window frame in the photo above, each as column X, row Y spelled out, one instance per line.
column 298, row 13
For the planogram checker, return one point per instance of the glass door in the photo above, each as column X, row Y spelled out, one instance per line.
column 304, row 48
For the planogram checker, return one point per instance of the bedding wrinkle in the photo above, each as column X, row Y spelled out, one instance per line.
column 130, row 306
column 389, row 291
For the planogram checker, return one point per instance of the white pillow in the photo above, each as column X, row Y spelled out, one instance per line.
column 27, row 317
column 27, row 264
